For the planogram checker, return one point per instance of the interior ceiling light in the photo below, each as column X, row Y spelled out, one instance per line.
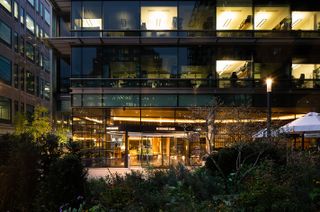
column 158, row 20
column 92, row 23
column 261, row 18
column 223, row 65
column 225, row 18
column 295, row 66
column 297, row 17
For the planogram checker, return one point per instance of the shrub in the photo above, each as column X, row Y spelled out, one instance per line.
column 63, row 185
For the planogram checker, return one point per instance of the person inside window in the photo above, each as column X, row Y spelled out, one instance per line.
column 233, row 79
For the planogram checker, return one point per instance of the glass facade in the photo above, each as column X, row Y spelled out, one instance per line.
column 139, row 67
column 5, row 33
column 5, row 70
column 189, row 18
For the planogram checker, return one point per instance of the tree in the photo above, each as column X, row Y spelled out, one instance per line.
column 41, row 124
column 20, row 124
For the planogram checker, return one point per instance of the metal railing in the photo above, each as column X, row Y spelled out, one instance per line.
column 190, row 83
column 198, row 33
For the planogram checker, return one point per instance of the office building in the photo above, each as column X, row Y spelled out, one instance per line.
column 128, row 72
column 25, row 67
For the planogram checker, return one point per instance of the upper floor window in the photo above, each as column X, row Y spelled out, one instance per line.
column 29, row 51
column 47, row 16
column 16, row 10
column 234, row 15
column 305, row 20
column 31, row 2
column 271, row 18
column 159, row 16
column 5, row 33
column 30, row 85
column 6, row 4
column 30, row 24
column 196, row 15
column 21, row 15
column 121, row 15
column 5, row 70
column 5, row 109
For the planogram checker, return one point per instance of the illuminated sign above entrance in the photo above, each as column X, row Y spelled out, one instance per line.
column 165, row 128
column 112, row 128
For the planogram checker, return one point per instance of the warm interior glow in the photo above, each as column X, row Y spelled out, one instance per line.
column 302, row 20
column 92, row 23
column 234, row 18
column 159, row 18
column 308, row 70
column 271, row 18
column 226, row 67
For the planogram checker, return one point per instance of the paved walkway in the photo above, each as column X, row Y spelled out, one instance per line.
column 102, row 172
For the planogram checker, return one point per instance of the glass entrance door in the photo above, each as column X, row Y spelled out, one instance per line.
column 157, row 151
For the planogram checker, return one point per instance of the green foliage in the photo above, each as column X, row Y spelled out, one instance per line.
column 19, row 172
column 20, row 124
column 38, row 176
column 62, row 133
column 41, row 124
column 64, row 184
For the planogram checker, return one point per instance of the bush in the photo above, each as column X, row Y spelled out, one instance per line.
column 19, row 172
column 64, row 184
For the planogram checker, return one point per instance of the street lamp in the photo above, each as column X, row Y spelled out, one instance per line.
column 269, row 90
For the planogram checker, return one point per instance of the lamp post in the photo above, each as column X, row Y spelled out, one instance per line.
column 269, row 90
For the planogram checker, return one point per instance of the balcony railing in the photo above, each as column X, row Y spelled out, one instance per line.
column 199, row 33
column 190, row 83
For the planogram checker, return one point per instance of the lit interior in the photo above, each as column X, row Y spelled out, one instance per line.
column 159, row 18
column 271, row 18
column 30, row 24
column 6, row 4
column 309, row 70
column 305, row 20
column 234, row 18
column 92, row 23
column 225, row 68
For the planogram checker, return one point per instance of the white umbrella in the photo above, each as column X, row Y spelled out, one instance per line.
column 307, row 124
column 263, row 133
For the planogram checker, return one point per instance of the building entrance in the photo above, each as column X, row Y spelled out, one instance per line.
column 162, row 150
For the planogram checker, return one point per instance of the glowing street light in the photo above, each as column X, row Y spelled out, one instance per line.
column 269, row 90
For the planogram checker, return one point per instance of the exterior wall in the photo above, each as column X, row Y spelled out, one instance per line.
column 20, row 98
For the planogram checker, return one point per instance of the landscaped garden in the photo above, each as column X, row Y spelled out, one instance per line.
column 41, row 171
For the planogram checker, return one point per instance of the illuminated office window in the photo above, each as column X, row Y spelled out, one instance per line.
column 234, row 73
column 302, row 20
column 91, row 19
column 272, row 18
column 302, row 74
column 6, row 4
column 234, row 18
column 16, row 10
column 164, row 17
column 30, row 23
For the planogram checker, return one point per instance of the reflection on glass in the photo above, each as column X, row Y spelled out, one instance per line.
column 122, row 15
column 159, row 63
column 233, row 70
column 196, row 15
column 120, row 62
column 234, row 18
column 302, row 20
column 272, row 18
column 195, row 63
column 91, row 19
column 302, row 74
